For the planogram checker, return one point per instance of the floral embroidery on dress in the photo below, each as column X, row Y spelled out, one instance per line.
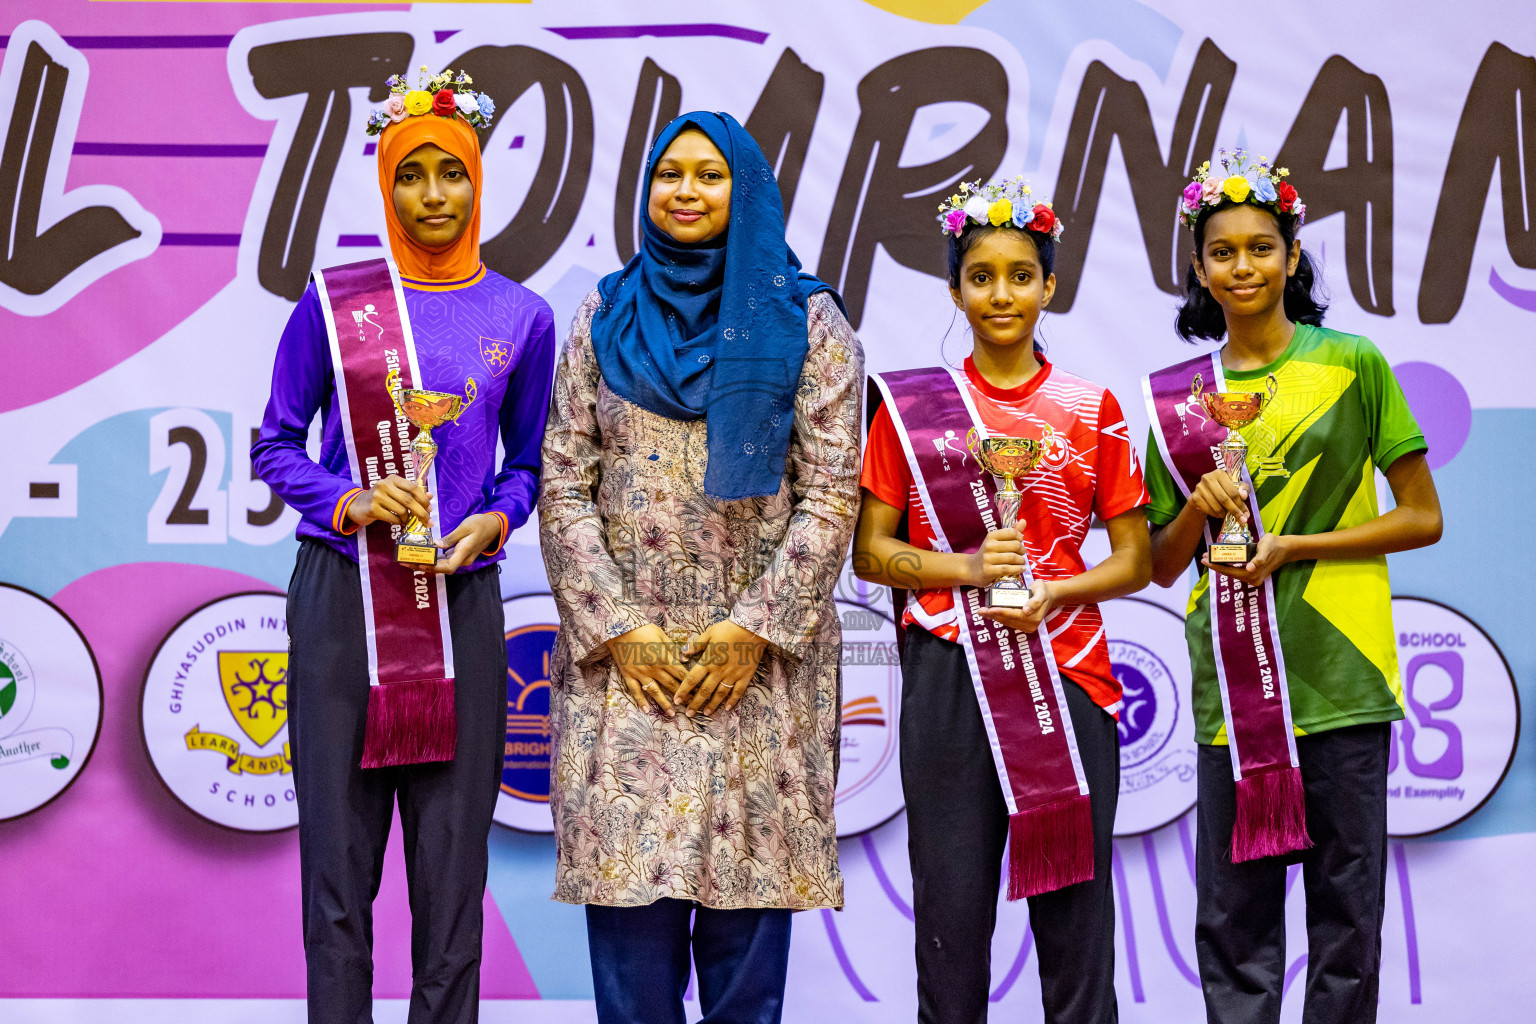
column 734, row 810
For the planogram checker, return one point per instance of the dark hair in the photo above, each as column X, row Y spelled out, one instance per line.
column 971, row 234
column 1201, row 315
column 959, row 245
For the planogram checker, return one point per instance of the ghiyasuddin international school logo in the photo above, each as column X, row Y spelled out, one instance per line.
column 1156, row 725
column 532, row 623
column 255, row 689
column 215, row 713
column 50, row 702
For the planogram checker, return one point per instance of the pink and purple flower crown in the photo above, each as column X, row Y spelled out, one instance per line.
column 999, row 203
column 444, row 94
column 1240, row 181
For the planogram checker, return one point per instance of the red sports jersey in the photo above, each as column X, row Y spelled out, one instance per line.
column 1091, row 468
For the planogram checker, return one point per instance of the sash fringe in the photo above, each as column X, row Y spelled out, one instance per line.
column 410, row 723
column 1271, row 815
column 1050, row 846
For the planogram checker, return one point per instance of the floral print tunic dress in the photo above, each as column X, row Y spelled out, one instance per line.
column 735, row 809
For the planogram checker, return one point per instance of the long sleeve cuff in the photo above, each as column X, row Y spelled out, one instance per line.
column 339, row 521
column 501, row 540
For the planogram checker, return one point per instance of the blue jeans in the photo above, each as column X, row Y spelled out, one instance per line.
column 640, row 962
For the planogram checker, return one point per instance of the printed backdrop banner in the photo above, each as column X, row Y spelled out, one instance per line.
column 172, row 173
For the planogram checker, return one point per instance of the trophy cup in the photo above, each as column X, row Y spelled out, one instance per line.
column 1007, row 457
column 426, row 409
column 1234, row 545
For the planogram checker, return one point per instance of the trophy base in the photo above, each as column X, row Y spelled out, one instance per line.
column 1232, row 554
column 416, row 554
column 1004, row 598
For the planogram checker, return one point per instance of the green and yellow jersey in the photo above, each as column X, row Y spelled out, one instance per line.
column 1339, row 413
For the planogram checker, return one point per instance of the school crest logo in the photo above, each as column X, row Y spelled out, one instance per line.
column 868, row 779
column 1147, row 654
column 1456, row 744
column 215, row 713
column 532, row 622
column 255, row 689
column 497, row 355
column 50, row 702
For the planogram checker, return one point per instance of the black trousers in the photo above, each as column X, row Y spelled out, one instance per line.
column 1240, row 913
column 345, row 812
column 957, row 825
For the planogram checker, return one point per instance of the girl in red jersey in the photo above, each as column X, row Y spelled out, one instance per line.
column 1007, row 726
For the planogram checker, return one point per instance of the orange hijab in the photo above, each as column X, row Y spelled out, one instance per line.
column 453, row 135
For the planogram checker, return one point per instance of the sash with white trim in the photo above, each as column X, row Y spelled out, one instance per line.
column 405, row 608
column 1245, row 636
column 1050, row 821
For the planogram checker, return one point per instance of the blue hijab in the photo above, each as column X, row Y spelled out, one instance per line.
column 716, row 329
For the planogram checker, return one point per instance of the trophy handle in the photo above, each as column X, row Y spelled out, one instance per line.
column 973, row 444
column 392, row 385
column 1271, row 385
column 470, row 391
column 1196, row 386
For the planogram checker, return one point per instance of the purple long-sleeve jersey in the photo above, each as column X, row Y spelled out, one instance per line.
column 491, row 329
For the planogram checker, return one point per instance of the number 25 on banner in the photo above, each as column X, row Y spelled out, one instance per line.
column 198, row 503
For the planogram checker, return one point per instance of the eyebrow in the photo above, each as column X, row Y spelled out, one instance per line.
column 673, row 161
column 1024, row 264
column 1259, row 236
column 417, row 165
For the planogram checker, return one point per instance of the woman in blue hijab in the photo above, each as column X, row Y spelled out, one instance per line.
column 699, row 493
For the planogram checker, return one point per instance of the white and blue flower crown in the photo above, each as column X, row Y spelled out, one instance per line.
column 1240, row 181
column 444, row 94
column 999, row 203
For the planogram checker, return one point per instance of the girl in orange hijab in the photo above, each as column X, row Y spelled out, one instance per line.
column 469, row 324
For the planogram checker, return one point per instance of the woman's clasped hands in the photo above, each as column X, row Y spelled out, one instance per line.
column 656, row 669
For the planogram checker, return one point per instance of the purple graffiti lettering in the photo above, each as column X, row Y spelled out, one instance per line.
column 1123, row 901
column 1520, row 298
column 1410, row 927
column 1018, row 966
column 1297, row 966
column 884, row 879
column 843, row 961
column 1150, row 850
column 1188, row 842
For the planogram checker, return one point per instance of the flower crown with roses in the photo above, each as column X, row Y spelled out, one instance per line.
column 998, row 203
column 444, row 94
column 1240, row 182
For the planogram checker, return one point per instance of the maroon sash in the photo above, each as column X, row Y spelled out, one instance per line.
column 1050, row 822
column 405, row 609
column 1250, row 666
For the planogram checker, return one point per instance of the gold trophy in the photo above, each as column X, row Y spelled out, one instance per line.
column 1007, row 457
column 426, row 409
column 1234, row 545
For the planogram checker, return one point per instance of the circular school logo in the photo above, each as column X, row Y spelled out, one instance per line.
column 1147, row 654
column 214, row 712
column 50, row 702
column 869, row 776
column 1463, row 719
column 532, row 621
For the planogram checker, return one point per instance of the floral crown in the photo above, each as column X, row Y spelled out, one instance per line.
column 444, row 94
column 998, row 203
column 1240, row 181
